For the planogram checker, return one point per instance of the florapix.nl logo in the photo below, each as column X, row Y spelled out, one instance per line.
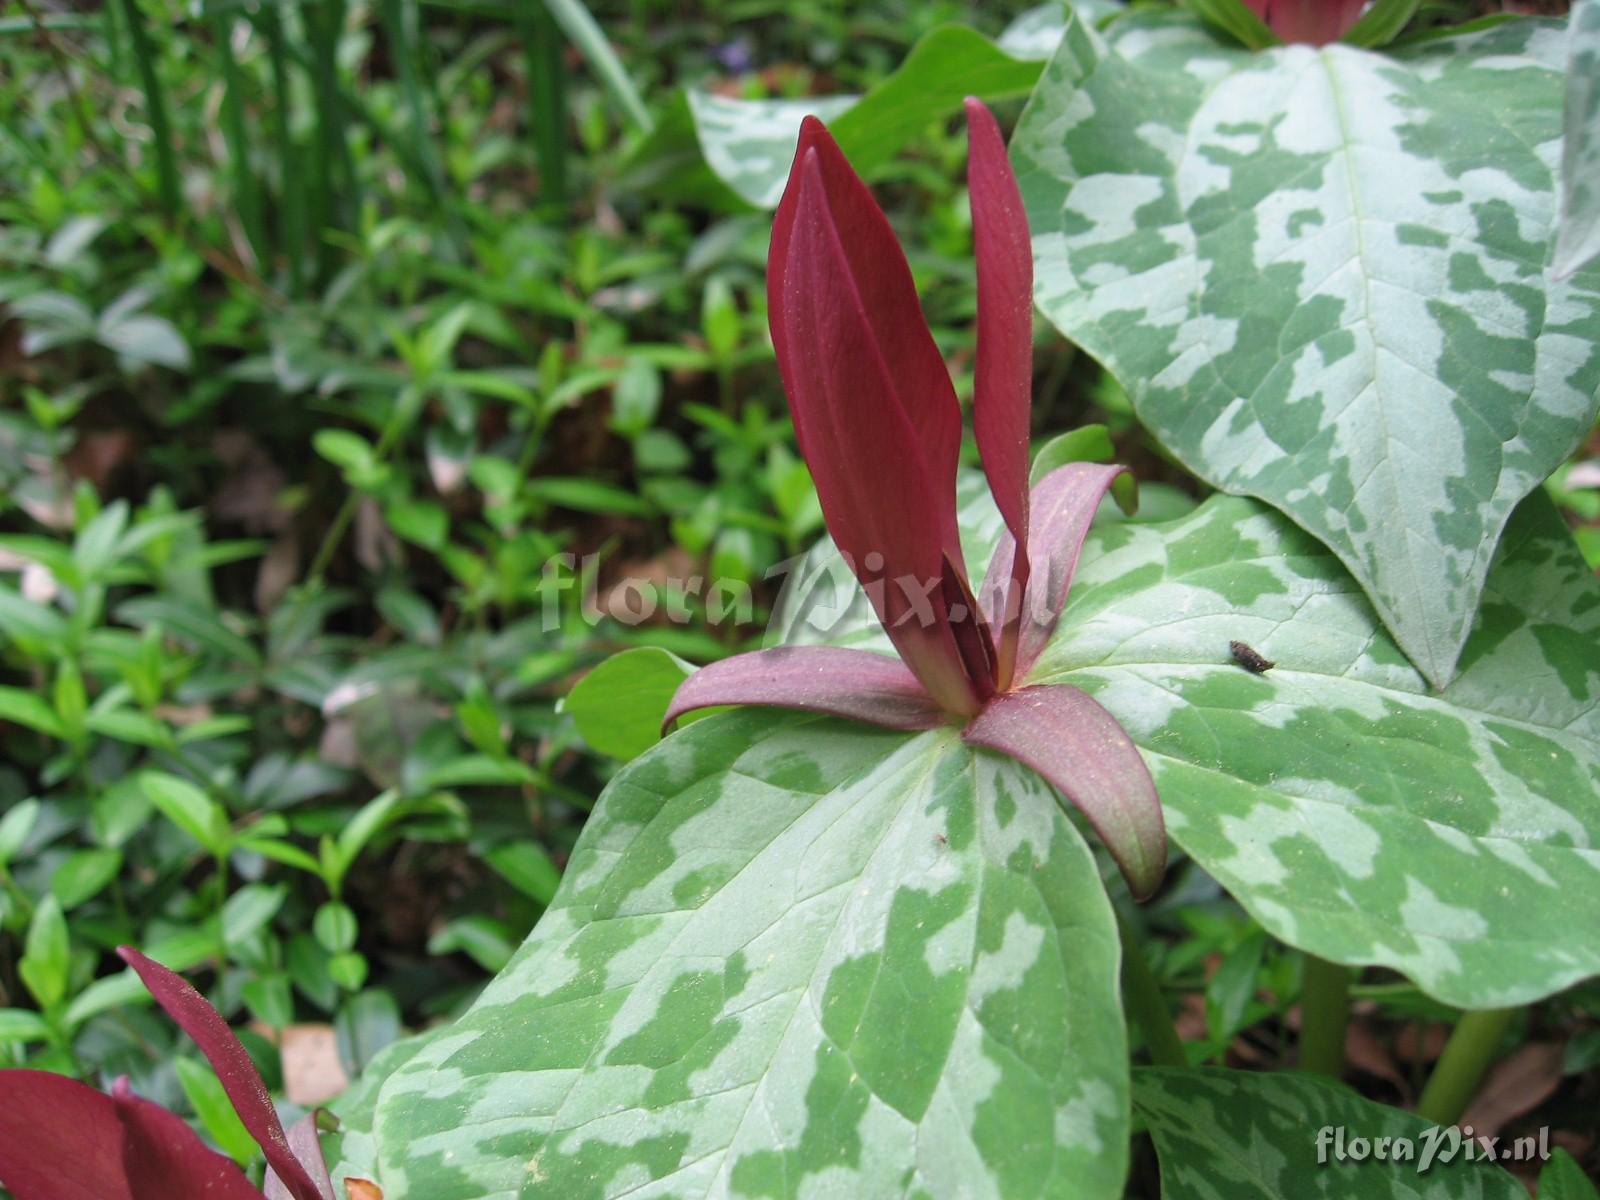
column 1439, row 1144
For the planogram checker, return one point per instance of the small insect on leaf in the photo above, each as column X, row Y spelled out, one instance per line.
column 1249, row 659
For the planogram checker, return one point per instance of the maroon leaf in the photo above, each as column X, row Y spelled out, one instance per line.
column 1063, row 506
column 1079, row 748
column 885, row 510
column 59, row 1139
column 1003, row 388
column 920, row 385
column 856, row 684
column 227, row 1056
column 307, row 1147
column 164, row 1158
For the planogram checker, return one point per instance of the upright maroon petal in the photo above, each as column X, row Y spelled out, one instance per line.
column 919, row 383
column 59, row 1139
column 238, row 1074
column 166, row 1159
column 1061, row 509
column 1079, row 748
column 1003, row 390
column 884, row 510
column 855, row 684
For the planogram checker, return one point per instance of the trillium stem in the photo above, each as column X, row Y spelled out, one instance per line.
column 1146, row 1005
column 1467, row 1055
column 1324, row 1014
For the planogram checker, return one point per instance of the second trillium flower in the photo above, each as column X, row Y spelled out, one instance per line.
column 878, row 424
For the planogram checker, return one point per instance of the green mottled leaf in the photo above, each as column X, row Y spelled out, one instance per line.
column 1356, row 812
column 1579, row 241
column 1321, row 274
column 1240, row 1135
column 618, row 706
column 790, row 956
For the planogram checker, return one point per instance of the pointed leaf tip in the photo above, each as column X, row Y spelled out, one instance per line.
column 238, row 1075
column 1080, row 749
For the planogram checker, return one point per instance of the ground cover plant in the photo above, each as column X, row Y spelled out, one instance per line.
column 778, row 601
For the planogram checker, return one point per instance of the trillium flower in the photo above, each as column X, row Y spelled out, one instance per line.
column 63, row 1140
column 878, row 424
column 1315, row 21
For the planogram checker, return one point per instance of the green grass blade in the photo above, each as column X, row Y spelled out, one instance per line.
column 586, row 35
column 399, row 18
column 291, row 176
column 547, row 96
column 155, row 98
column 246, row 186
column 334, row 194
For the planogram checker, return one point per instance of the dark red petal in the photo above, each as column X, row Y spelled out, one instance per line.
column 1061, row 509
column 918, row 380
column 228, row 1059
column 1002, row 401
column 855, row 684
column 307, row 1146
column 1316, row 22
column 872, row 479
column 1079, row 748
column 165, row 1159
column 59, row 1139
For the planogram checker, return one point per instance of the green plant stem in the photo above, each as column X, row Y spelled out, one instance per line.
column 1324, row 1013
column 1146, row 1005
column 222, row 935
column 1467, row 1055
column 398, row 421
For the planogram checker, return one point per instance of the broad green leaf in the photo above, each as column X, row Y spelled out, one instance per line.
column 791, row 956
column 107, row 994
column 129, row 725
column 1321, row 274
column 1579, row 240
column 222, row 1124
column 1563, row 1179
column 526, row 866
column 82, row 875
column 1381, row 23
column 618, row 706
column 249, row 909
column 189, row 808
column 1240, row 23
column 15, row 827
column 1256, row 1136
column 1356, row 812
column 47, row 954
column 23, row 1025
column 189, row 622
column 25, row 708
column 748, row 144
